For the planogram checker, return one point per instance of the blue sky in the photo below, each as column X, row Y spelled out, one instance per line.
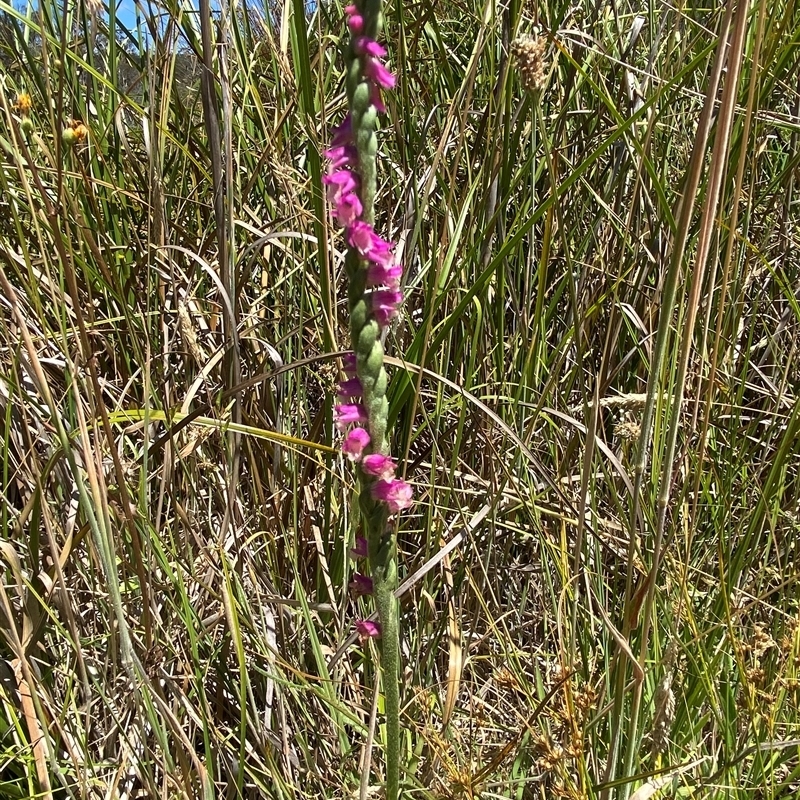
column 126, row 13
column 126, row 10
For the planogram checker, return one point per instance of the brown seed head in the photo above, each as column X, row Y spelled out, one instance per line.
column 529, row 55
column 664, row 703
column 627, row 429
column 665, row 715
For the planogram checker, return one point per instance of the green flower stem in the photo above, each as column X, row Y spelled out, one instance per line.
column 382, row 545
column 383, row 567
column 366, row 343
column 367, row 346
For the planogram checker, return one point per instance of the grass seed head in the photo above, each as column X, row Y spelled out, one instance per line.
column 529, row 56
column 627, row 429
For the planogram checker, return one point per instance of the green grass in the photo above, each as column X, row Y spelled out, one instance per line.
column 174, row 614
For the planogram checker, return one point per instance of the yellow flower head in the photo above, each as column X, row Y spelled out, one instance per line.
column 23, row 104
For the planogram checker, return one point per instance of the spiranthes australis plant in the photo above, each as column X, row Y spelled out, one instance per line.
column 373, row 299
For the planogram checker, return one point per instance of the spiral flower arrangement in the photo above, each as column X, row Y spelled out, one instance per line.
column 373, row 299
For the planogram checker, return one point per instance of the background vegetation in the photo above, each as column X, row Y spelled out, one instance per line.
column 618, row 247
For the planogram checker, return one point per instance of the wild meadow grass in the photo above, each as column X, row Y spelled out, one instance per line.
column 592, row 392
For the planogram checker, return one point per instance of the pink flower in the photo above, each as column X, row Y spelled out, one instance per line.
column 347, row 413
column 348, row 209
column 356, row 23
column 349, row 364
column 362, row 237
column 344, row 155
column 378, row 74
column 378, row 275
column 354, row 443
column 361, row 585
column 350, row 388
column 367, row 629
column 381, row 256
column 384, row 304
column 360, row 549
column 379, row 466
column 375, row 99
column 365, row 46
column 339, row 183
column 343, row 134
column 395, row 493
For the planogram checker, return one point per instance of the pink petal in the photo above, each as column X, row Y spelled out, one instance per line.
column 348, row 209
column 355, row 442
column 366, row 46
column 347, row 413
column 339, row 183
column 356, row 23
column 384, row 304
column 367, row 629
column 343, row 134
column 360, row 549
column 378, row 73
column 376, row 100
column 349, row 364
column 396, row 494
column 350, row 388
column 378, row 275
column 342, row 179
column 361, row 584
column 379, row 466
column 383, row 257
column 344, row 155
column 362, row 237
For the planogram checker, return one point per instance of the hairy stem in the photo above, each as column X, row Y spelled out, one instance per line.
column 383, row 564
column 366, row 341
